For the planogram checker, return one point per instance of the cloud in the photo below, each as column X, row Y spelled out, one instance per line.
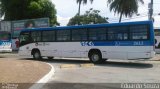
column 157, row 21
column 63, row 20
column 68, row 8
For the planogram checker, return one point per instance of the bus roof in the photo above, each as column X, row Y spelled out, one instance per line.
column 89, row 26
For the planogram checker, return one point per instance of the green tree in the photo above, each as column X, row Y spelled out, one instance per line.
column 28, row 9
column 91, row 16
column 79, row 2
column 124, row 7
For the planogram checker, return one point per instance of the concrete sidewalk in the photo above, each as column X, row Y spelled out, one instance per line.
column 156, row 58
column 23, row 73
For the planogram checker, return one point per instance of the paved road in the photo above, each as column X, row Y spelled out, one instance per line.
column 100, row 76
column 109, row 75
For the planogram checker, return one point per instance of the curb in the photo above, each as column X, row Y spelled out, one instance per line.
column 86, row 65
column 68, row 66
column 153, row 61
column 65, row 66
column 44, row 79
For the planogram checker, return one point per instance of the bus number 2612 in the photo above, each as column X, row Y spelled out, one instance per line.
column 138, row 43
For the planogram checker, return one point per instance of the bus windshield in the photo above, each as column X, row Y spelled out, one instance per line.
column 24, row 38
column 5, row 36
column 157, row 40
column 157, row 32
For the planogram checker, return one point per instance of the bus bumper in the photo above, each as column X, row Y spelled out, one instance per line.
column 153, row 53
column 5, row 50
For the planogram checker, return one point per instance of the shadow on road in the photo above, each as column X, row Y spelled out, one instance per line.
column 61, row 61
column 2, row 57
column 126, row 64
column 70, row 61
column 82, row 86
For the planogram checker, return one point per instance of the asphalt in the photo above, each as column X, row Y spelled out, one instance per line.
column 24, row 73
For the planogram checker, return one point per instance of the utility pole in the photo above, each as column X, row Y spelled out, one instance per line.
column 150, row 7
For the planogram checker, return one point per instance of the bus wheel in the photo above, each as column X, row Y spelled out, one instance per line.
column 50, row 57
column 37, row 55
column 95, row 57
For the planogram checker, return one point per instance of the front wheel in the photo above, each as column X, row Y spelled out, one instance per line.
column 95, row 57
column 37, row 55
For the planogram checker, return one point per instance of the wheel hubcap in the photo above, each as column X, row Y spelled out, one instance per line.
column 36, row 55
column 95, row 57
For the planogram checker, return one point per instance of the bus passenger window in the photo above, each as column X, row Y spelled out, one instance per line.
column 79, row 35
column 118, row 33
column 5, row 36
column 48, row 36
column 63, row 35
column 97, row 34
column 36, row 36
column 139, row 32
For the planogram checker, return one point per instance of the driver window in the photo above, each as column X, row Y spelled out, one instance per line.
column 24, row 39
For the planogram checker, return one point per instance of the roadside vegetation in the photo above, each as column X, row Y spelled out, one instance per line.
column 32, row 9
column 28, row 9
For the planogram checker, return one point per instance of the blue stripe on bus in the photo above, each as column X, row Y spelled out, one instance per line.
column 117, row 43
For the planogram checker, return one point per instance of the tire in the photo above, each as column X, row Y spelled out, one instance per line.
column 37, row 55
column 95, row 57
column 50, row 57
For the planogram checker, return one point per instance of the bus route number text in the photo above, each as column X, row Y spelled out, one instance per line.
column 138, row 43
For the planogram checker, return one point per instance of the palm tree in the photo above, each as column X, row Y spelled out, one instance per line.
column 79, row 2
column 124, row 7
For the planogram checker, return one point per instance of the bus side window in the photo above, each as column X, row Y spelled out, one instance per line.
column 118, row 33
column 97, row 34
column 139, row 32
column 48, row 36
column 79, row 35
column 63, row 35
column 36, row 36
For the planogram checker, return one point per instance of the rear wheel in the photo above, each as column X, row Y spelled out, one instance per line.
column 37, row 55
column 95, row 57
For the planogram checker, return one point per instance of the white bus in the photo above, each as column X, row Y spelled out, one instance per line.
column 98, row 42
column 5, row 41
column 157, row 39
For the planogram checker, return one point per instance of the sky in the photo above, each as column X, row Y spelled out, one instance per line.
column 66, row 9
